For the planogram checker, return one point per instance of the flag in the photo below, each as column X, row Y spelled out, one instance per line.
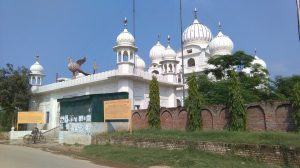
column 298, row 14
column 94, row 68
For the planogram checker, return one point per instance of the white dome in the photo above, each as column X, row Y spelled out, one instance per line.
column 221, row 45
column 36, row 69
column 196, row 33
column 169, row 54
column 157, row 52
column 140, row 63
column 259, row 61
column 125, row 38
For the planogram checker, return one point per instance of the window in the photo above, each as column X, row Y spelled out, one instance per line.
column 119, row 57
column 155, row 72
column 189, row 51
column 131, row 56
column 47, row 117
column 38, row 81
column 170, row 68
column 178, row 103
column 165, row 68
column 125, row 56
column 179, row 78
column 191, row 62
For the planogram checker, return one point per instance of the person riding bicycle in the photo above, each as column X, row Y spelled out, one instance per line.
column 34, row 134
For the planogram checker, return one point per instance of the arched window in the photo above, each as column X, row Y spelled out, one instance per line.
column 191, row 62
column 166, row 67
column 170, row 68
column 178, row 103
column 155, row 72
column 119, row 56
column 125, row 56
column 131, row 56
column 38, row 81
column 179, row 78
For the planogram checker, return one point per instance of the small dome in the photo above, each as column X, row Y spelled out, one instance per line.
column 140, row 63
column 196, row 33
column 125, row 38
column 36, row 68
column 221, row 45
column 169, row 53
column 259, row 61
column 157, row 52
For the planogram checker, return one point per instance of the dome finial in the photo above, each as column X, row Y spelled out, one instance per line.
column 220, row 26
column 195, row 13
column 169, row 39
column 37, row 58
column 255, row 51
column 125, row 23
column 158, row 38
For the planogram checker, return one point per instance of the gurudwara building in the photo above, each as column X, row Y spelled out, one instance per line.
column 131, row 75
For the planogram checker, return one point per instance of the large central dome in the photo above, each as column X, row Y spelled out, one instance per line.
column 196, row 33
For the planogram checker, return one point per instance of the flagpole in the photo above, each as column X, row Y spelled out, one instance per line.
column 298, row 16
column 182, row 63
column 133, row 15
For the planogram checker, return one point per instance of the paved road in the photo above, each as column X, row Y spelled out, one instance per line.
column 24, row 157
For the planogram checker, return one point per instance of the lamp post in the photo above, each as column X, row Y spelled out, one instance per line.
column 182, row 62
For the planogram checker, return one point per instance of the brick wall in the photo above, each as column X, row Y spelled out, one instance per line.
column 268, row 153
column 262, row 116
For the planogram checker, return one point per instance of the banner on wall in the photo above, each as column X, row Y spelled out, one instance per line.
column 118, row 110
column 30, row 117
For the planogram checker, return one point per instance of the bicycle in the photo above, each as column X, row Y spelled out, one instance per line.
column 29, row 138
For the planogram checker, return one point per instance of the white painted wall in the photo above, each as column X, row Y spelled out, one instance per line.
column 136, row 84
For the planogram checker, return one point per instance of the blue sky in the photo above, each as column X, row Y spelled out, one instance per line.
column 56, row 29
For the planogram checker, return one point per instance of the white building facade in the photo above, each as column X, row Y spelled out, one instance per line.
column 131, row 74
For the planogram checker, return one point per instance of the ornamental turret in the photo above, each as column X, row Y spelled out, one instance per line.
column 126, row 50
column 169, row 63
column 36, row 73
column 156, row 54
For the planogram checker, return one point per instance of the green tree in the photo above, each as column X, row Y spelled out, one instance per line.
column 193, row 104
column 296, row 105
column 154, row 104
column 254, row 86
column 213, row 91
column 235, row 105
column 14, row 93
column 1, row 118
column 224, row 64
column 283, row 85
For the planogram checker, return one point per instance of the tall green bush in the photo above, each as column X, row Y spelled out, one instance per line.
column 296, row 105
column 235, row 105
column 14, row 93
column 194, row 103
column 154, row 104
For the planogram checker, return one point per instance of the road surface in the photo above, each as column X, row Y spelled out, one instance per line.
column 24, row 157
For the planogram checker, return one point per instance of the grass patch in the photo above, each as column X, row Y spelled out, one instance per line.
column 268, row 138
column 177, row 158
